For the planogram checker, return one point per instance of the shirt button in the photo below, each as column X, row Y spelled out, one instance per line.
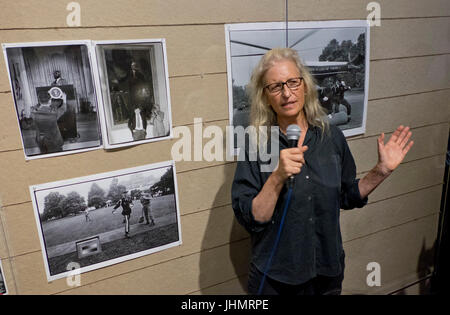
column 310, row 220
column 307, row 176
column 309, row 198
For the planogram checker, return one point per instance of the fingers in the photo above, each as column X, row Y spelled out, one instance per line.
column 405, row 139
column 396, row 134
column 291, row 161
column 381, row 140
column 296, row 154
column 406, row 149
column 400, row 136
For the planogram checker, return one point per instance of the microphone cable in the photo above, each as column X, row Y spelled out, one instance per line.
column 293, row 134
column 277, row 239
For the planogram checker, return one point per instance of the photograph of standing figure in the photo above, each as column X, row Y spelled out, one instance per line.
column 54, row 96
column 135, row 91
column 126, row 203
column 107, row 218
column 146, row 209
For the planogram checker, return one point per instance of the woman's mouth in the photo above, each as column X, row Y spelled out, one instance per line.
column 288, row 103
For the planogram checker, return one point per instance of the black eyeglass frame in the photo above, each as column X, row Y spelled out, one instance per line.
column 282, row 85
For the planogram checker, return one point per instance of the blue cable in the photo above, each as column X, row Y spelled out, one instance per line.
column 275, row 245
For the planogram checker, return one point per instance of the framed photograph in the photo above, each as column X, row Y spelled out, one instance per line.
column 336, row 53
column 134, row 90
column 104, row 219
column 55, row 99
column 3, row 288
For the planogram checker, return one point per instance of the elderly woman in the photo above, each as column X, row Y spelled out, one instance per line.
column 309, row 257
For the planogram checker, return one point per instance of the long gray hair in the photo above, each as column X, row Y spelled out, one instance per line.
column 262, row 114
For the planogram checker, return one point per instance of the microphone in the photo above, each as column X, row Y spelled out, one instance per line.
column 293, row 134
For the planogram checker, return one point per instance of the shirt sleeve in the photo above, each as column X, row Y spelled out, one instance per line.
column 350, row 195
column 246, row 185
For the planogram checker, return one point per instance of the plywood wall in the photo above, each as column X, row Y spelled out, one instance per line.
column 409, row 84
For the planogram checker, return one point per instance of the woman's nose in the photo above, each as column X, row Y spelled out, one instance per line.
column 286, row 91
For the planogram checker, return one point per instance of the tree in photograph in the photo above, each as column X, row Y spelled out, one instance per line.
column 165, row 186
column 115, row 190
column 73, row 204
column 52, row 206
column 240, row 97
column 347, row 51
column 96, row 196
column 136, row 194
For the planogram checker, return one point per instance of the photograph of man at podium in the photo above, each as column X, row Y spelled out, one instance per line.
column 57, row 107
column 45, row 116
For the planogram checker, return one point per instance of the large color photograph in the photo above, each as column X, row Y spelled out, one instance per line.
column 107, row 218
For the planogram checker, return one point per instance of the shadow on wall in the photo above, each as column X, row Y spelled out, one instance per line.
column 424, row 270
column 224, row 241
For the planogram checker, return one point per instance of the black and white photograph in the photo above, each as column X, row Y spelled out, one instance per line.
column 52, row 84
column 134, row 89
column 3, row 289
column 104, row 219
column 335, row 52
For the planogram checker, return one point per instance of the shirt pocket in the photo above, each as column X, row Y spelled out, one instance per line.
column 329, row 171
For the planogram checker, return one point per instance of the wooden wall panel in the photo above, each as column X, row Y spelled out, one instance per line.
column 378, row 216
column 409, row 84
column 53, row 13
column 410, row 37
column 402, row 252
column 211, row 187
column 407, row 76
column 355, row 9
column 140, row 12
column 416, row 110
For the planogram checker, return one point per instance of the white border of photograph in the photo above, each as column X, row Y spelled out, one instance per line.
column 74, row 181
column 2, row 272
column 281, row 26
column 101, row 87
column 93, row 71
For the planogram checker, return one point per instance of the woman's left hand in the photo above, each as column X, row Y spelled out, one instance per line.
column 391, row 154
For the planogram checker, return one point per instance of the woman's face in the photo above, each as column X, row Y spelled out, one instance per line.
column 288, row 103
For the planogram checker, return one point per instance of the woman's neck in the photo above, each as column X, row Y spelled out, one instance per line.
column 300, row 120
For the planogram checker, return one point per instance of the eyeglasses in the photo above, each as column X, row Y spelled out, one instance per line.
column 292, row 84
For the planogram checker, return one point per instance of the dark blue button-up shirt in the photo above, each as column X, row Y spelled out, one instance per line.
column 310, row 242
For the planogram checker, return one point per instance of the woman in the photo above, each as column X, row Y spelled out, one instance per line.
column 309, row 258
column 157, row 119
